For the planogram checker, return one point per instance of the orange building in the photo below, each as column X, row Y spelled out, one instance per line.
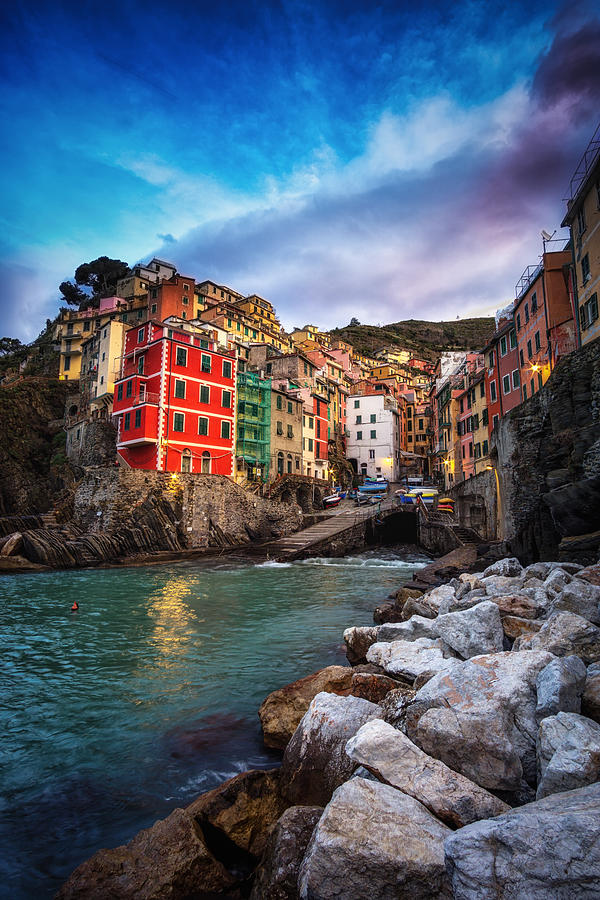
column 173, row 297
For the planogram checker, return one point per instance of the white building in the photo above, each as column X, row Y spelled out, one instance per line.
column 373, row 442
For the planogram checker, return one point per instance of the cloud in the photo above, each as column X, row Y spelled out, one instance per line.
column 166, row 238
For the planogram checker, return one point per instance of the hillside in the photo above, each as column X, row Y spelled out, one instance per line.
column 427, row 339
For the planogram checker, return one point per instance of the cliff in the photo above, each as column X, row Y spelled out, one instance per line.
column 549, row 465
column 32, row 460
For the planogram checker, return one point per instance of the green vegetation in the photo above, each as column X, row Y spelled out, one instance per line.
column 101, row 275
column 426, row 339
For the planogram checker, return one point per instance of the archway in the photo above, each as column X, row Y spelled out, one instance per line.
column 206, row 463
column 303, row 498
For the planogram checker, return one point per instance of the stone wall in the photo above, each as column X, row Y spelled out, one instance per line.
column 208, row 510
column 476, row 502
column 92, row 443
column 548, row 463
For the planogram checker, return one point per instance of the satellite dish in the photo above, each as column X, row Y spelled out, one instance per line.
column 546, row 236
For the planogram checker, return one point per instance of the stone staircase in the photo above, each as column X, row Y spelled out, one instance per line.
column 49, row 520
column 466, row 536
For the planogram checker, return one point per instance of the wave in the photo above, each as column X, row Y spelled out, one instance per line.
column 273, row 564
column 356, row 562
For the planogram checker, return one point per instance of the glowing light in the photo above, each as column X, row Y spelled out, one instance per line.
column 535, row 368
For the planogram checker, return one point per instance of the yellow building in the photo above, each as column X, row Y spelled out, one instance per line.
column 479, row 412
column 260, row 311
column 583, row 218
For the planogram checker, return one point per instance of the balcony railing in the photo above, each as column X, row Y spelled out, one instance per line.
column 146, row 397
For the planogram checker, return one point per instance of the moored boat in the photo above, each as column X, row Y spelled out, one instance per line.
column 331, row 501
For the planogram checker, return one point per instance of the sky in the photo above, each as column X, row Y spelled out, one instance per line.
column 383, row 161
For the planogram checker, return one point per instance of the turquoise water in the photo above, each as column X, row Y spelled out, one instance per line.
column 113, row 716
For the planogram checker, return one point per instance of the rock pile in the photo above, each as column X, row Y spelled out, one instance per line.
column 458, row 758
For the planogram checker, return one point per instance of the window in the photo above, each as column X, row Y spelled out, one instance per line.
column 226, row 369
column 524, row 392
column 373, row 433
column 493, row 395
column 180, row 389
column 516, row 381
column 311, row 422
column 226, row 399
column 290, row 431
column 140, row 336
column 532, row 385
column 527, row 312
column 206, row 463
column 581, row 226
column 225, row 429
column 269, row 368
column 120, row 391
column 278, row 403
column 289, row 464
column 485, row 448
column 310, row 445
column 153, row 309
column 204, row 393
column 178, row 421
column 521, row 357
column 519, row 320
column 503, row 345
column 185, row 301
column 534, row 302
column 491, row 359
column 506, row 384
column 141, row 365
column 86, row 326
column 373, row 417
column 477, row 450
column 137, row 419
column 588, row 312
column 205, row 367
column 585, row 268
column 280, row 428
column 127, row 421
column 153, row 293
column 512, row 339
column 359, row 420
column 204, row 344
column 202, row 425
column 181, row 356
column 482, row 389
column 186, row 461
column 495, row 421
column 129, row 388
column 359, row 435
column 470, row 450
column 290, row 407
column 484, row 417
column 463, row 451
column 420, row 424
column 356, row 404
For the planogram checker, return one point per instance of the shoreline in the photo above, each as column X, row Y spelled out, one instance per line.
column 257, row 813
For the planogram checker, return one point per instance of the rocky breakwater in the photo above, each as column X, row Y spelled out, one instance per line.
column 459, row 756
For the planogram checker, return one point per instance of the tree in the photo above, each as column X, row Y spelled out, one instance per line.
column 10, row 345
column 353, row 321
column 73, row 295
column 101, row 275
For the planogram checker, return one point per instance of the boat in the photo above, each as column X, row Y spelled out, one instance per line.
column 427, row 495
column 373, row 487
column 331, row 501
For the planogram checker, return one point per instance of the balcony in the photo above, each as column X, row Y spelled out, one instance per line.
column 146, row 397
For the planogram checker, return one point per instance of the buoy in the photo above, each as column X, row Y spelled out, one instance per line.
column 75, row 607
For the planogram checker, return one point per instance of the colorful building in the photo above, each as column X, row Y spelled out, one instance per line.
column 175, row 400
column 583, row 218
column 373, row 443
column 286, row 433
column 502, row 372
column 253, row 432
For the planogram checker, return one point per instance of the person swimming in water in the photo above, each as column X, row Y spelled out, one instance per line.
column 75, row 606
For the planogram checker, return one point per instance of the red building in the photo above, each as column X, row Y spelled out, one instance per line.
column 502, row 373
column 320, row 405
column 173, row 297
column 175, row 401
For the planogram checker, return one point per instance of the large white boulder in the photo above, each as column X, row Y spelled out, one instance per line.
column 568, row 748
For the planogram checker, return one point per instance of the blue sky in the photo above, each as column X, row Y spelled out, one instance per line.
column 383, row 161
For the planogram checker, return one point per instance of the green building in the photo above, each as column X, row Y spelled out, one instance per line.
column 253, row 437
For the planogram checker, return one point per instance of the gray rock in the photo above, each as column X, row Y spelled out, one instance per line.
column 590, row 702
column 479, row 718
column 358, row 639
column 465, row 600
column 546, row 849
column 509, row 568
column 535, row 590
column 374, row 841
column 516, row 605
column 560, row 686
column 565, row 634
column 395, row 704
column 538, row 570
column 568, row 750
column 415, row 627
column 556, row 581
column 473, row 631
column 500, row 584
column 277, row 875
column 515, row 626
column 315, row 761
column 437, row 595
column 394, row 759
column 581, row 598
column 470, row 579
column 409, row 659
column 417, row 607
column 570, row 567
